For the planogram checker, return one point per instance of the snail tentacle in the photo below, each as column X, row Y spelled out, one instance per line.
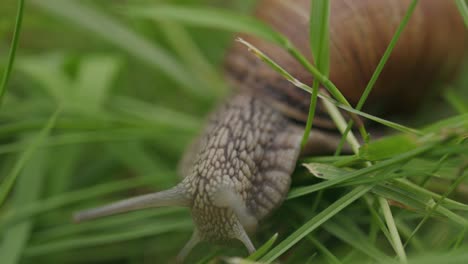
column 244, row 238
column 193, row 241
column 175, row 196
column 226, row 197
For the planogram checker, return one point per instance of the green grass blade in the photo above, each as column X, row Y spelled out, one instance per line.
column 325, row 82
column 12, row 53
column 463, row 8
column 458, row 121
column 379, row 120
column 377, row 221
column 97, row 136
column 315, row 222
column 347, row 231
column 418, row 202
column 417, row 244
column 319, row 34
column 447, row 257
column 382, row 63
column 72, row 197
column 263, row 249
column 388, row 147
column 94, row 82
column 222, row 19
column 394, row 235
column 297, row 192
column 28, row 189
column 319, row 41
column 119, row 35
column 208, row 17
column 110, row 223
column 427, row 194
column 327, row 253
column 459, row 239
column 387, row 54
column 461, row 178
column 456, row 101
column 102, row 239
column 186, row 48
column 311, row 114
column 9, row 181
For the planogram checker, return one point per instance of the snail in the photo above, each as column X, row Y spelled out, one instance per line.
column 239, row 169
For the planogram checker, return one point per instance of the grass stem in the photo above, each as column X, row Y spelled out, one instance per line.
column 13, row 47
column 396, row 240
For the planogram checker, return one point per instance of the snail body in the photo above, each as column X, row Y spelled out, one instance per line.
column 239, row 170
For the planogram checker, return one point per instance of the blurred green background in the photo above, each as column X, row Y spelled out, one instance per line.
column 122, row 129
column 132, row 94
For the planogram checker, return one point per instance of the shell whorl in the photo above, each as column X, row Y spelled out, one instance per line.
column 430, row 50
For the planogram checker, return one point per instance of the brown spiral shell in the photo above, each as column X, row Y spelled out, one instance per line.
column 429, row 52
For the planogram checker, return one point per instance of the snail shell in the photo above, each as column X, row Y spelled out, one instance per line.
column 428, row 52
column 239, row 170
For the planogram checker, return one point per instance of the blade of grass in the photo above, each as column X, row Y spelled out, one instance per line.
column 319, row 42
column 118, row 34
column 348, row 231
column 97, row 240
column 461, row 178
column 459, row 239
column 263, row 249
column 447, row 257
column 416, row 243
column 330, row 172
column 210, row 256
column 396, row 240
column 454, row 122
column 72, row 197
column 311, row 114
column 115, row 222
column 319, row 34
column 28, row 190
column 377, row 221
column 156, row 114
column 420, row 191
column 181, row 41
column 12, row 53
column 340, row 123
column 208, row 17
column 463, row 8
column 9, row 181
column 315, row 222
column 414, row 201
column 388, row 147
column 136, row 157
column 456, row 101
column 222, row 19
column 382, row 63
column 94, row 136
column 94, row 82
column 297, row 192
column 327, row 253
column 309, row 89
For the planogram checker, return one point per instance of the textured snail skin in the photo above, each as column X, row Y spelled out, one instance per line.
column 248, row 149
column 239, row 170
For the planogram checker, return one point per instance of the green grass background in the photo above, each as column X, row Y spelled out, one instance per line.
column 101, row 104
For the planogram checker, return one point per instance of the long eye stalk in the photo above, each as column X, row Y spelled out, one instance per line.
column 175, row 196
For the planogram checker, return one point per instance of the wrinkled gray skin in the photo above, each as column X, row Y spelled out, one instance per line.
column 236, row 173
column 248, row 152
